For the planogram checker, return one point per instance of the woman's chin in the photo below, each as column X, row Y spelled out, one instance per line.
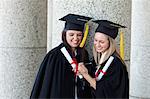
column 99, row 51
column 74, row 46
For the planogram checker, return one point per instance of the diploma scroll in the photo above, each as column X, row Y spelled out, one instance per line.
column 105, row 68
column 70, row 60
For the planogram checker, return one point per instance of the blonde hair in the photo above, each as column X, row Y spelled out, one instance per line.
column 102, row 57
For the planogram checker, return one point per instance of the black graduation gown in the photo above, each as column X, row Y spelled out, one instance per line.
column 115, row 84
column 56, row 79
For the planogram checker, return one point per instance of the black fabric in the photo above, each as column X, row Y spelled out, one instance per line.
column 75, row 22
column 56, row 79
column 107, row 27
column 115, row 84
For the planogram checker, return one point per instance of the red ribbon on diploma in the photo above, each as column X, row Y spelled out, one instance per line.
column 99, row 71
column 76, row 64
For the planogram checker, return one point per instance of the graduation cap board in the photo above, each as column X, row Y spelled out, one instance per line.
column 109, row 28
column 75, row 22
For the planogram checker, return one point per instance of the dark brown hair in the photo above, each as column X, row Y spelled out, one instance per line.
column 64, row 38
column 82, row 50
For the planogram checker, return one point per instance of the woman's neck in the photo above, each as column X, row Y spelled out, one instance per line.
column 73, row 49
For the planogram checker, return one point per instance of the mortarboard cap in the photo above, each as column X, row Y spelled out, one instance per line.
column 109, row 28
column 75, row 22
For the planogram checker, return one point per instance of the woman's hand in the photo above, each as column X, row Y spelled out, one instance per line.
column 82, row 69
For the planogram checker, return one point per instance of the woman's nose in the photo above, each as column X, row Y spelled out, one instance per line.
column 76, row 37
column 98, row 45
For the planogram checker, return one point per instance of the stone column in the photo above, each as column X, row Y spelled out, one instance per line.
column 22, row 45
column 140, row 50
column 49, row 24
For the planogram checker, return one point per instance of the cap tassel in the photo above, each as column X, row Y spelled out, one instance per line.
column 85, row 35
column 122, row 45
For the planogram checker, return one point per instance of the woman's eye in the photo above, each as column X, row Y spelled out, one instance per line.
column 79, row 34
column 71, row 35
column 95, row 40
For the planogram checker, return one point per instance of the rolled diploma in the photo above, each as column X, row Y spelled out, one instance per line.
column 105, row 68
column 68, row 57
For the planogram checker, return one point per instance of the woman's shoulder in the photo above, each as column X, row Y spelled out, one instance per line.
column 118, row 62
column 55, row 51
column 116, row 58
column 83, row 50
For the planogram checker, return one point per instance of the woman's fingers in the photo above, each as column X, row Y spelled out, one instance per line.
column 82, row 69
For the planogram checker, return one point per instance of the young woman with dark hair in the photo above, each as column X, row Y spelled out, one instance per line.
column 56, row 78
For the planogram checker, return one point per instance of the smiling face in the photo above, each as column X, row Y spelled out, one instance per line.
column 101, row 42
column 73, row 38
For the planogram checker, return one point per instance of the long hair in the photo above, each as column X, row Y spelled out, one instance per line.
column 64, row 37
column 102, row 57
column 82, row 51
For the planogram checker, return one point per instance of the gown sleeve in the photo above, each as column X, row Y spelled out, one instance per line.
column 84, row 88
column 50, row 81
column 39, row 78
